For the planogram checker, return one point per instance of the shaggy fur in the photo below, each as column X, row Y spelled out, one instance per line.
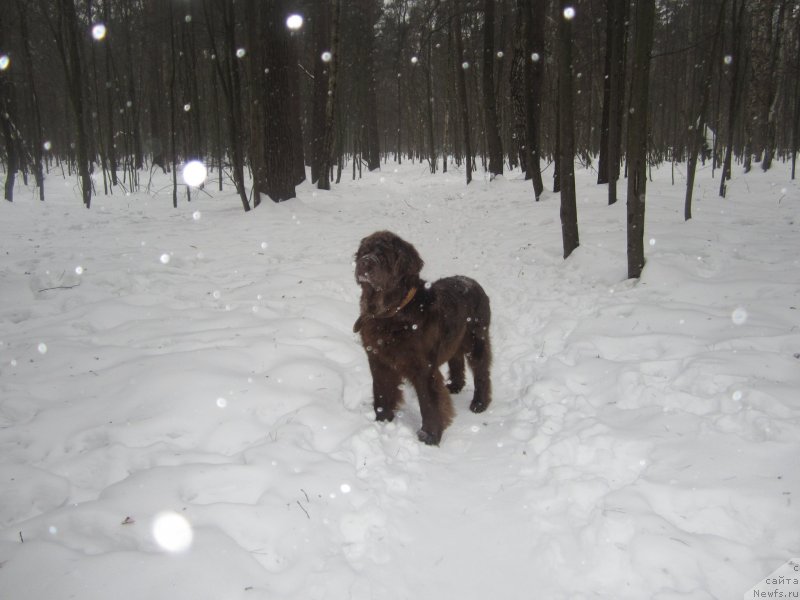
column 409, row 328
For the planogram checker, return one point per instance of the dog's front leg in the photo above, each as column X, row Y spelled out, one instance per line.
column 386, row 394
column 434, row 405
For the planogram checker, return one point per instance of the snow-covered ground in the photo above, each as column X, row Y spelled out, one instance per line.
column 185, row 412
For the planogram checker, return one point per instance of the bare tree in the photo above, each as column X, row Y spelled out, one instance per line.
column 569, row 210
column 371, row 104
column 613, row 96
column 489, row 99
column 461, row 92
column 644, row 15
column 329, row 133
column 278, row 154
column 739, row 61
column 32, row 97
column 65, row 32
column 703, row 62
column 225, row 55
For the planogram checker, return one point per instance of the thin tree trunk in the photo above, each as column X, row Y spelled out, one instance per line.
column 33, row 98
column 320, row 26
column 637, row 135
column 461, row 84
column 67, row 37
column 602, row 162
column 7, row 113
column 371, row 104
column 739, row 69
column 698, row 125
column 489, row 99
column 616, row 93
column 278, row 154
column 569, row 210
column 429, row 111
column 329, row 134
column 228, row 73
column 534, row 81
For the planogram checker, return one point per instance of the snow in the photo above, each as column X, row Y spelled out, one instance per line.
column 186, row 413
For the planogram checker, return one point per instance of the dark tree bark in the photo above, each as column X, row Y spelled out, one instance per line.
column 7, row 113
column 569, row 209
column 461, row 84
column 638, row 133
column 795, row 144
column 111, row 151
column 133, row 92
column 320, row 25
column 602, row 162
column 534, row 82
column 489, row 99
column 295, row 102
column 255, row 21
column 739, row 69
column 278, row 154
column 429, row 111
column 613, row 74
column 66, row 33
column 329, row 132
column 230, row 81
column 772, row 87
column 519, row 91
column 33, row 98
column 373, row 149
column 173, row 152
column 616, row 93
column 699, row 115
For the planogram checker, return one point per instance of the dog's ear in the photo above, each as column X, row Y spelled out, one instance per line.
column 409, row 260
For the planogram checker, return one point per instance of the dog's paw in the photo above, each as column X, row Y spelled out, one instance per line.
column 455, row 386
column 428, row 438
column 478, row 405
column 383, row 414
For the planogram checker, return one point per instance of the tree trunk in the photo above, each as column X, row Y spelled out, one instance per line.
column 602, row 162
column 569, row 210
column 371, row 105
column 461, row 84
column 697, row 126
column 534, row 81
column 329, row 133
column 67, row 38
column 429, row 111
column 228, row 74
column 519, row 91
column 772, row 91
column 6, row 114
column 616, row 93
column 320, row 30
column 637, row 134
column 739, row 69
column 33, row 98
column 489, row 99
column 277, row 141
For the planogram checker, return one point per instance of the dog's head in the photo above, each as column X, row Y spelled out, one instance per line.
column 387, row 267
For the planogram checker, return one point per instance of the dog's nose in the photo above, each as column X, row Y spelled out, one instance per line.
column 365, row 267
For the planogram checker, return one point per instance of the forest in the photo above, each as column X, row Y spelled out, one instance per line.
column 186, row 412
column 107, row 90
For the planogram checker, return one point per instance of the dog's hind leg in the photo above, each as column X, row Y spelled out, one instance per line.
column 480, row 361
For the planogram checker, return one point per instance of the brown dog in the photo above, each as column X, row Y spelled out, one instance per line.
column 409, row 328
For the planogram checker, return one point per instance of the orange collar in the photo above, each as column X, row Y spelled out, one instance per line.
column 409, row 297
